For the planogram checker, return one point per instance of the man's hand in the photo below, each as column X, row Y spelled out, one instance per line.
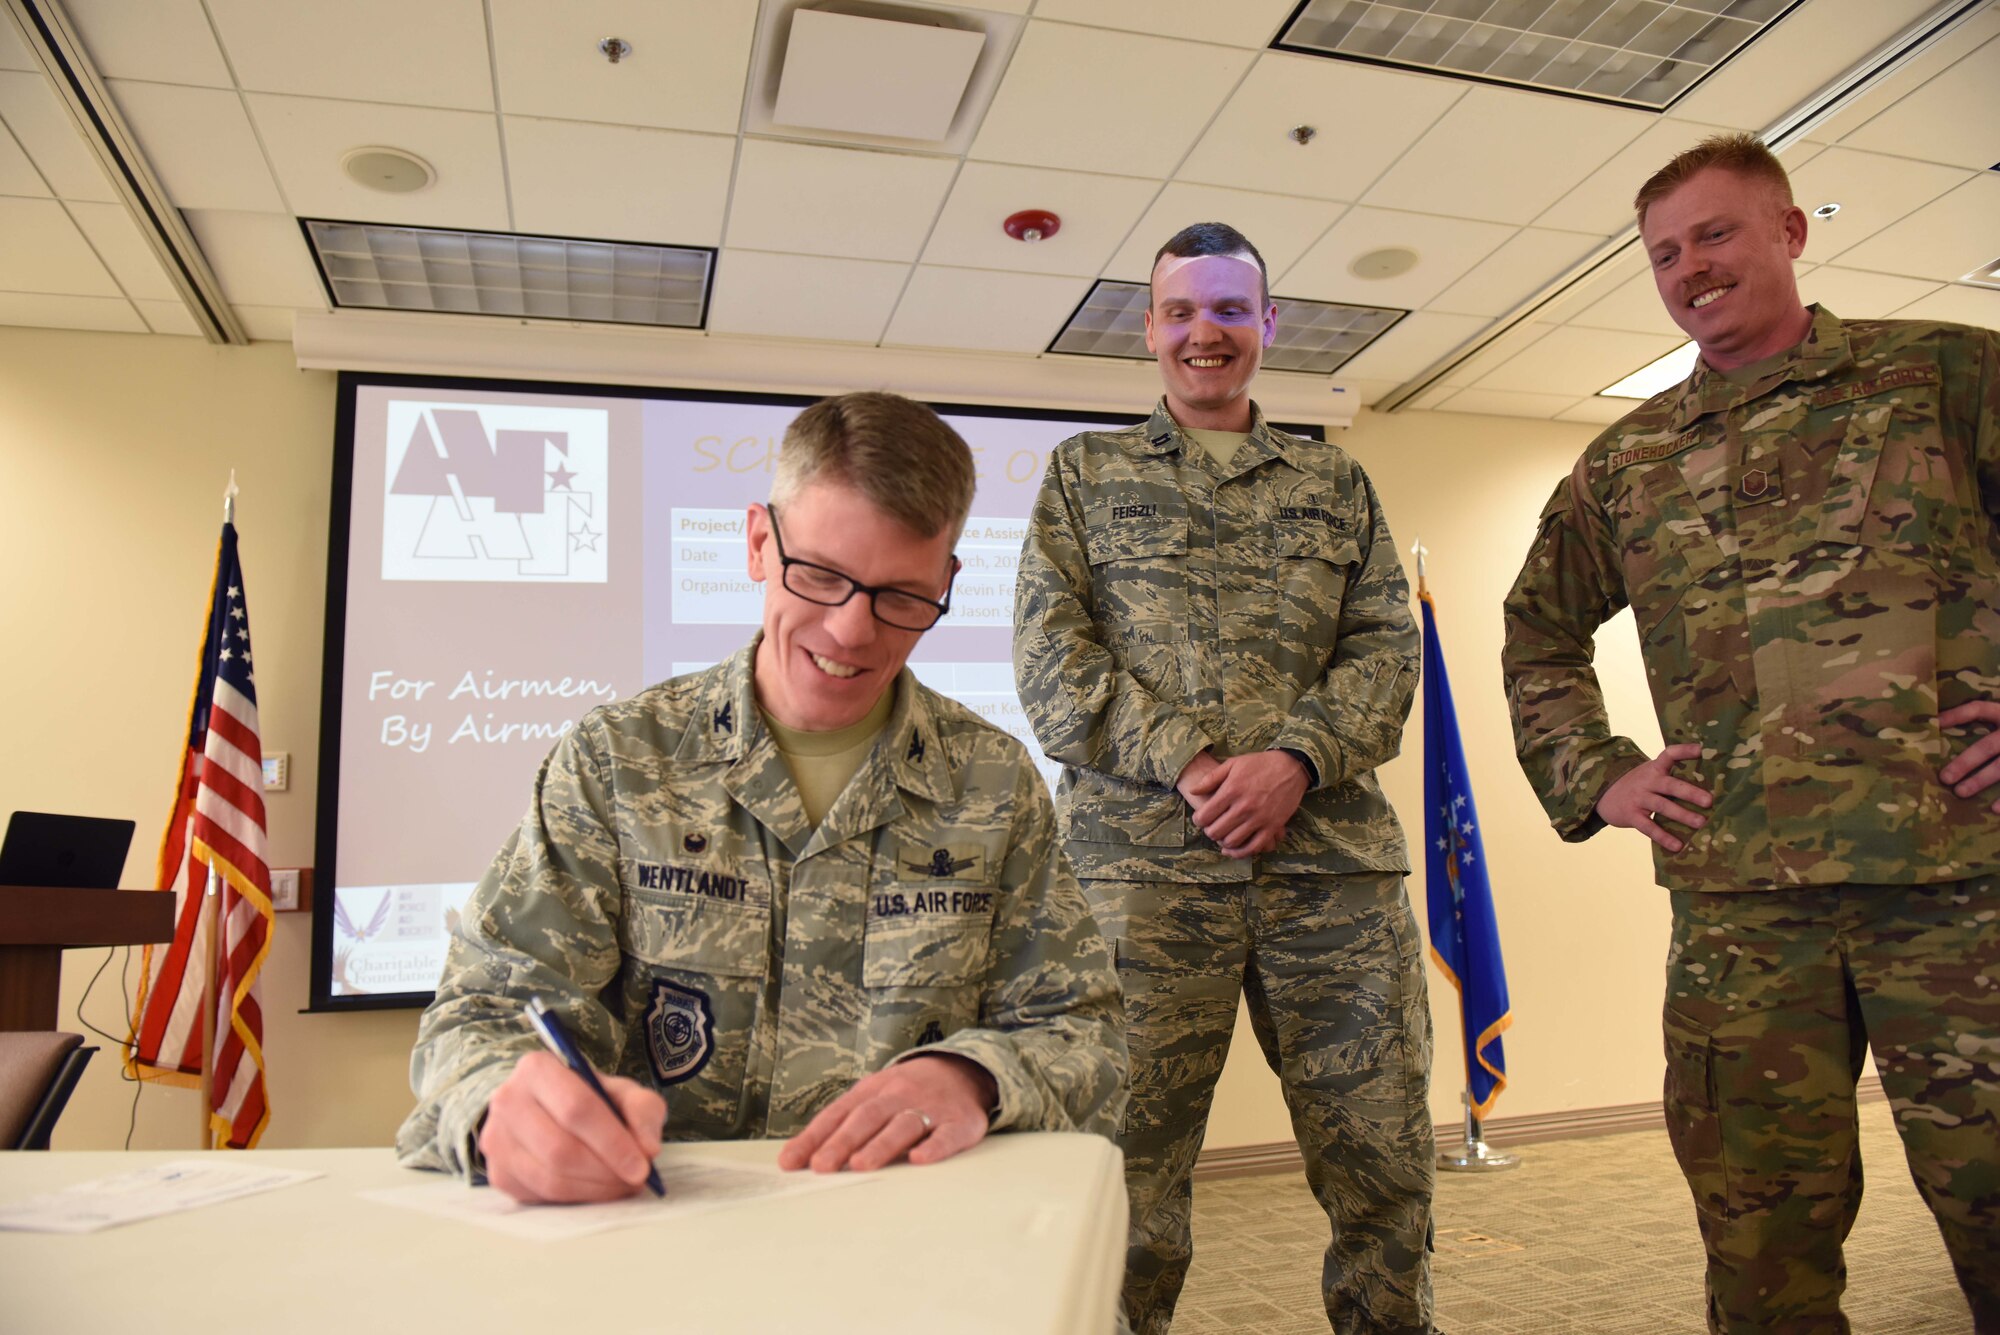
column 1641, row 798
column 548, row 1138
column 926, row 1108
column 1243, row 803
column 1977, row 768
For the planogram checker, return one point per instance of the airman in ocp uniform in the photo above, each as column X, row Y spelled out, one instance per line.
column 796, row 894
column 1808, row 534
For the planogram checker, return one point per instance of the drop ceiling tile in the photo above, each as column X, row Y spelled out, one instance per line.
column 1446, row 248
column 1249, row 146
column 17, row 174
column 1576, row 361
column 1529, row 260
column 424, row 53
column 306, row 137
column 1416, row 343
column 200, row 144
column 46, row 252
column 1912, row 74
column 983, row 310
column 1602, row 203
column 804, row 296
column 670, row 186
column 167, row 317
column 1873, row 191
column 1634, row 306
column 1954, row 118
column 1092, row 100
column 168, row 41
column 1601, row 411
column 1280, row 226
column 1097, row 213
column 816, row 200
column 1793, row 59
column 63, row 312
column 1489, row 355
column 268, row 324
column 14, row 53
column 259, row 258
column 1957, row 304
column 1498, row 403
column 1857, row 295
column 685, row 71
column 1250, row 23
column 115, row 237
column 1505, row 155
column 1946, row 239
column 41, row 124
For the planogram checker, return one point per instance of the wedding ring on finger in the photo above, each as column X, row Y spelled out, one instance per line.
column 922, row 1116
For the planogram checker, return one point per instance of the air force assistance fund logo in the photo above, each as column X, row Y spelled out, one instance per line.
column 680, row 1031
column 498, row 493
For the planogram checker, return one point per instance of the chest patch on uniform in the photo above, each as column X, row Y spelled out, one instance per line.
column 941, row 864
column 1757, row 486
column 1862, row 389
column 1645, row 454
column 680, row 1032
column 1135, row 512
column 694, row 843
column 685, row 880
column 1302, row 513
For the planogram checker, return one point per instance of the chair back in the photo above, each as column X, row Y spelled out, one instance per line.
column 38, row 1071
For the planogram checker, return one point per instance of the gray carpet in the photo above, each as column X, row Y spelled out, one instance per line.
column 1586, row 1237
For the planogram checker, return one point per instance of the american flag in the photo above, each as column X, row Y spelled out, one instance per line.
column 217, row 825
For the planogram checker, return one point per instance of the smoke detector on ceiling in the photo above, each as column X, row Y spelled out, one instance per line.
column 393, row 171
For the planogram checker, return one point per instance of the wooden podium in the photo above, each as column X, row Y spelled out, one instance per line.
column 37, row 923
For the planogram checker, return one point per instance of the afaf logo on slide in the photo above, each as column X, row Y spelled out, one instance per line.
column 680, row 1032
column 496, row 492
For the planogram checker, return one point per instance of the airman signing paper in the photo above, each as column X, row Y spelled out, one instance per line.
column 795, row 894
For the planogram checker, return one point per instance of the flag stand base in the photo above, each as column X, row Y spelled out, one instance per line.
column 1475, row 1155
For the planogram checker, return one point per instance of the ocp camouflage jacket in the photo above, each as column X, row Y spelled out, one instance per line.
column 1811, row 551
column 667, row 897
column 1166, row 604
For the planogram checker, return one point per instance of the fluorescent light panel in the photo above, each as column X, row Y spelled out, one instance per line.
column 380, row 267
column 1313, row 336
column 1659, row 374
column 1985, row 276
column 1640, row 53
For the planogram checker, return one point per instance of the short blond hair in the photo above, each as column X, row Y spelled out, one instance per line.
column 895, row 451
column 1743, row 154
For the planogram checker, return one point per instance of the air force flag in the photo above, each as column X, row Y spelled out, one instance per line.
column 1465, row 938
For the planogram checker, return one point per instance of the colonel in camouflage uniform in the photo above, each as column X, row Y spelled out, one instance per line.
column 888, row 975
column 1807, row 534
column 1213, row 635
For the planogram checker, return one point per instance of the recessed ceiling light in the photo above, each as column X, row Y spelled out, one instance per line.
column 1656, row 375
column 1313, row 336
column 393, row 171
column 1826, row 210
column 498, row 273
column 1388, row 262
column 1639, row 53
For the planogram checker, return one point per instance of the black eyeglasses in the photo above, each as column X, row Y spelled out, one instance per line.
column 829, row 588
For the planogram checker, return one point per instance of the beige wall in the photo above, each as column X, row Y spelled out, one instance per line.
column 113, row 453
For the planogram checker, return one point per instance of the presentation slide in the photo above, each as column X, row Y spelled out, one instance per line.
column 515, row 557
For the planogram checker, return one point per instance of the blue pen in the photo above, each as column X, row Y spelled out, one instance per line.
column 550, row 1030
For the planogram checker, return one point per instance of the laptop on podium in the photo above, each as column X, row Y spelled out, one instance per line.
column 67, row 852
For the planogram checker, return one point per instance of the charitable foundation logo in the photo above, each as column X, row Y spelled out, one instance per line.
column 496, row 493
